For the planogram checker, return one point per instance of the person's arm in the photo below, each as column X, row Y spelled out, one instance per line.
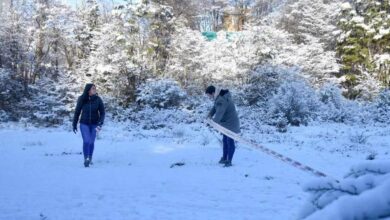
column 212, row 112
column 102, row 113
column 220, row 108
column 77, row 113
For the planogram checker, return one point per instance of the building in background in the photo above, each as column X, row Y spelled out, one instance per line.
column 234, row 18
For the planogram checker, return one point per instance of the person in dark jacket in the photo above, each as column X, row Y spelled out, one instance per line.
column 91, row 108
column 224, row 113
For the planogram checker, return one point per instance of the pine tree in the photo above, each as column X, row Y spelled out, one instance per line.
column 115, row 63
column 364, row 44
column 89, row 16
column 160, row 29
column 15, row 40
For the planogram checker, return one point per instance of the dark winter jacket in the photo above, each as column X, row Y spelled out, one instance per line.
column 91, row 109
column 224, row 112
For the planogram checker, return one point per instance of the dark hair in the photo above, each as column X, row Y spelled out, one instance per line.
column 85, row 94
column 210, row 90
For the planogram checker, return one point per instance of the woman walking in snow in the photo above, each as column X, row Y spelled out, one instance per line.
column 91, row 107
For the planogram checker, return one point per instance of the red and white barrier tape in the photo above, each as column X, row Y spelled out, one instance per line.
column 268, row 151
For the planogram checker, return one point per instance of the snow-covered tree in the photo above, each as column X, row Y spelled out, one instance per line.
column 225, row 60
column 12, row 93
column 15, row 44
column 364, row 46
column 35, row 37
column 313, row 29
column 318, row 18
column 61, row 24
column 263, row 83
column 185, row 63
column 262, row 8
column 160, row 24
column 114, row 63
column 52, row 38
column 89, row 16
column 362, row 194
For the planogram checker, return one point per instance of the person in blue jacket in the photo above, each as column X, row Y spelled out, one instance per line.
column 91, row 108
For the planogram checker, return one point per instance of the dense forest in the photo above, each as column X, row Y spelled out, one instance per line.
column 163, row 53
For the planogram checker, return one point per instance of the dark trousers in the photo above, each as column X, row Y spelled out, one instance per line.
column 88, row 132
column 228, row 148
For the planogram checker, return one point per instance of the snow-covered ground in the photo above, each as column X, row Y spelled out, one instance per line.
column 42, row 175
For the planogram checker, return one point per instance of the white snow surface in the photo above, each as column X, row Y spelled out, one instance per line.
column 42, row 175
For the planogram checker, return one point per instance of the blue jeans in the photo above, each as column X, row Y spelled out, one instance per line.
column 88, row 132
column 228, row 148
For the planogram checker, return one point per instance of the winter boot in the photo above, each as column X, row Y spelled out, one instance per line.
column 86, row 162
column 90, row 161
column 228, row 163
column 222, row 161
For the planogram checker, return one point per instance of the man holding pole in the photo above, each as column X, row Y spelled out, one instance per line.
column 224, row 113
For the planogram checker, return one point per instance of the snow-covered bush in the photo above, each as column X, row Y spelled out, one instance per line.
column 45, row 103
column 53, row 105
column 52, row 102
column 333, row 106
column 262, row 84
column 149, row 118
column 161, row 93
column 295, row 103
column 3, row 116
column 362, row 194
column 286, row 98
column 359, row 138
column 12, row 93
column 382, row 107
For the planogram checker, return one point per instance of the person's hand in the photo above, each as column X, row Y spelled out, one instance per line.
column 98, row 129
column 75, row 130
column 206, row 122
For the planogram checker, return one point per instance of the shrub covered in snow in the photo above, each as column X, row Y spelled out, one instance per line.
column 46, row 103
column 382, row 107
column 295, row 103
column 3, row 116
column 283, row 94
column 154, row 118
column 362, row 194
column 12, row 92
column 149, row 118
column 160, row 93
column 52, row 106
column 333, row 106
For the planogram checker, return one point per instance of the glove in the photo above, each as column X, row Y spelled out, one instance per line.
column 74, row 129
column 206, row 123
